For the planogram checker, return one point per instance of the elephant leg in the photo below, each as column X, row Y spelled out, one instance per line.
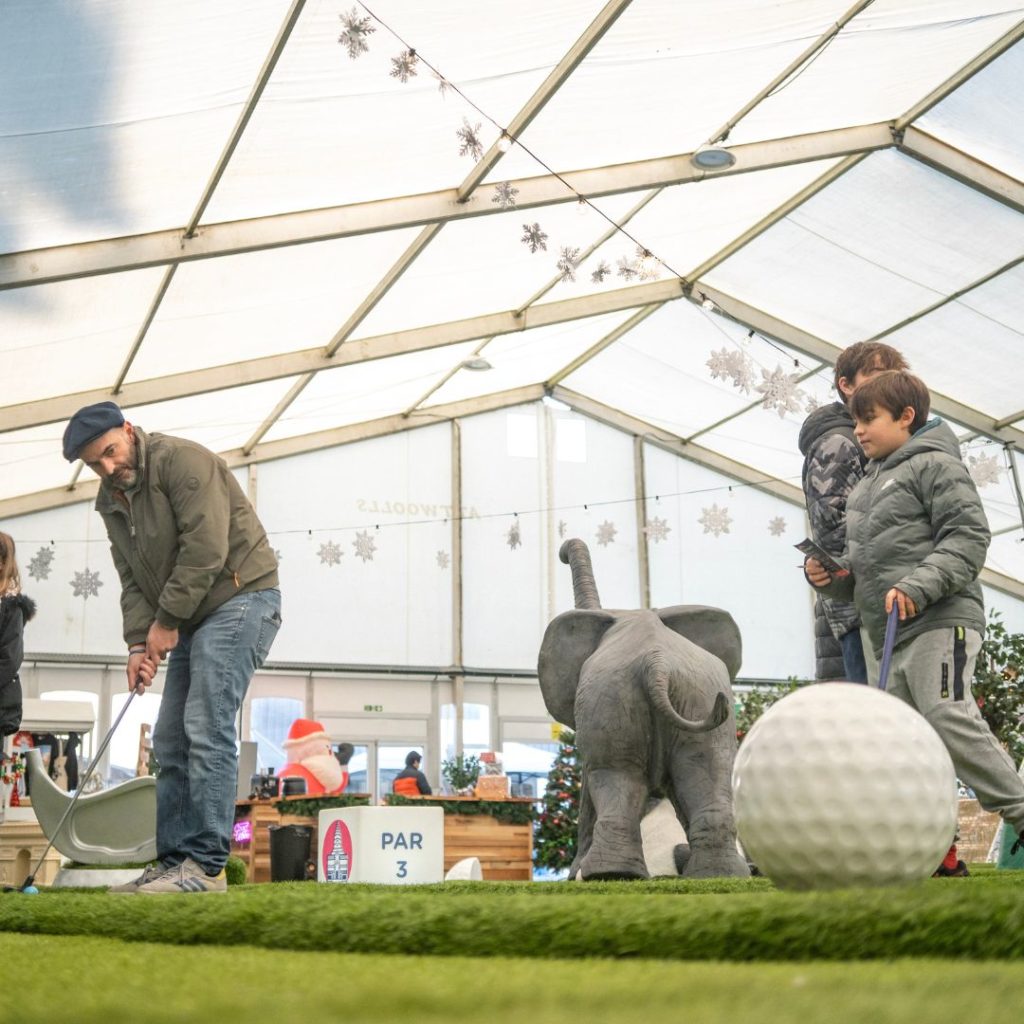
column 702, row 779
column 584, row 826
column 616, row 849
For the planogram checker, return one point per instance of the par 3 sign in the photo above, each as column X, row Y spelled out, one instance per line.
column 386, row 845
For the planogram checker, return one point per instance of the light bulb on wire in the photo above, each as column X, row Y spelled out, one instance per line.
column 581, row 207
column 505, row 142
column 707, row 304
column 648, row 264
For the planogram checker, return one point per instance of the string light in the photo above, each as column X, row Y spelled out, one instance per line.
column 581, row 206
column 707, row 304
column 505, row 142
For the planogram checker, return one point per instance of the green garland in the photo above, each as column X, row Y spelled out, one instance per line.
column 313, row 805
column 504, row 811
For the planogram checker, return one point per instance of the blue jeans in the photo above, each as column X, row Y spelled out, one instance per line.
column 208, row 674
column 853, row 657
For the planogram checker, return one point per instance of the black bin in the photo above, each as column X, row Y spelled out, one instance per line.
column 289, row 852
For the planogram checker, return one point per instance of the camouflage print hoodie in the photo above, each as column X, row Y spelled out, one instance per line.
column 833, row 465
column 916, row 522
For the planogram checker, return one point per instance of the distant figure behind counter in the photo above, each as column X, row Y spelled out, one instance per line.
column 411, row 781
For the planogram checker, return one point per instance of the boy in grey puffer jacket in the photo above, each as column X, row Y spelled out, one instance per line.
column 916, row 537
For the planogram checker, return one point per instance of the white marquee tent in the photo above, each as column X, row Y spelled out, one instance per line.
column 446, row 282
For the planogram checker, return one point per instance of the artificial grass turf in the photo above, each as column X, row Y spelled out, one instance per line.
column 725, row 919
column 104, row 981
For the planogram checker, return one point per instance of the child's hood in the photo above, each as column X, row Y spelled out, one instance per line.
column 934, row 436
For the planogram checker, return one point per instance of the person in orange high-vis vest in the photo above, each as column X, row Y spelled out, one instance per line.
column 411, row 781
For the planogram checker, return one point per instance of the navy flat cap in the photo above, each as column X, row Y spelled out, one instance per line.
column 89, row 423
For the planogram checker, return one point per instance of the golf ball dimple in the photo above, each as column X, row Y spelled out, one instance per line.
column 840, row 785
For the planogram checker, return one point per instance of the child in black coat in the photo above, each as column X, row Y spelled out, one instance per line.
column 15, row 610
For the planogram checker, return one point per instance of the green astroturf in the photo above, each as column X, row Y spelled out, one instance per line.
column 96, row 980
column 977, row 918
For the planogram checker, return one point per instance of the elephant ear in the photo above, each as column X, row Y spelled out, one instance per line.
column 714, row 629
column 569, row 640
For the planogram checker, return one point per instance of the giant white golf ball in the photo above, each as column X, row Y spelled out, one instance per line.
column 844, row 785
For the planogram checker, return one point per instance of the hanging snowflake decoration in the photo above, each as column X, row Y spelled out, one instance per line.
column 403, row 67
column 534, row 237
column 606, row 533
column 812, row 404
column 469, row 140
column 356, row 31
column 780, row 391
column 657, row 530
column 40, row 563
column 330, row 553
column 984, row 469
column 86, row 584
column 365, row 545
column 648, row 268
column 514, row 539
column 627, row 268
column 562, row 527
column 277, row 554
column 732, row 365
column 443, row 85
column 505, row 195
column 777, row 526
column 443, row 559
column 715, row 520
column 568, row 261
column 603, row 270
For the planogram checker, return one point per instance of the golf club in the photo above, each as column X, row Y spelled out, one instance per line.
column 890, row 641
column 28, row 886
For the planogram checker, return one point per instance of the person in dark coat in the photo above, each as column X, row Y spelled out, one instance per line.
column 833, row 465
column 15, row 610
column 411, row 781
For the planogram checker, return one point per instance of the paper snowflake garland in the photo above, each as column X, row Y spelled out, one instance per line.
column 657, row 530
column 984, row 469
column 715, row 520
column 443, row 85
column 86, row 584
column 734, row 365
column 606, row 533
column 403, row 67
column 627, row 269
column 443, row 559
column 469, row 140
column 330, row 553
column 40, row 563
column 777, row 526
column 534, row 237
column 365, row 545
column 505, row 195
column 356, row 31
column 514, row 539
column 780, row 391
column 812, row 404
column 603, row 270
column 562, row 527
column 568, row 261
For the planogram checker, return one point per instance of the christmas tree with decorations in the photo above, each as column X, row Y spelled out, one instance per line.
column 555, row 834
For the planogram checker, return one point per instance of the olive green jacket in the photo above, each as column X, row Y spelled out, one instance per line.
column 184, row 539
column 915, row 522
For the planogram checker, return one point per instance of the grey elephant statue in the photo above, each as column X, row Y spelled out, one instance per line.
column 649, row 695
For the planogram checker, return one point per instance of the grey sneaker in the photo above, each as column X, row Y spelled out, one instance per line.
column 152, row 872
column 187, row 876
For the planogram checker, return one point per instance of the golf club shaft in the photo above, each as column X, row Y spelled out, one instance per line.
column 139, row 689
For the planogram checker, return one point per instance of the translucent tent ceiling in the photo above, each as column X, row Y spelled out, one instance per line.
column 218, row 217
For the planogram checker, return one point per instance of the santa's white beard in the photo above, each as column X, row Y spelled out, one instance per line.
column 326, row 769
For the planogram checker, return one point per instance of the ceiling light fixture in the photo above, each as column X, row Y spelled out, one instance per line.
column 477, row 363
column 712, row 157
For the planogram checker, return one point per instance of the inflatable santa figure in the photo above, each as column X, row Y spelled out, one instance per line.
column 310, row 758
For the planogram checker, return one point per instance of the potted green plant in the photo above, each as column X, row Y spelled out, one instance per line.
column 460, row 773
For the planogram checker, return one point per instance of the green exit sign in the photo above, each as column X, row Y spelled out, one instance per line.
column 373, row 707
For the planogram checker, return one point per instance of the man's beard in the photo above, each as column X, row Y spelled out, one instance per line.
column 126, row 476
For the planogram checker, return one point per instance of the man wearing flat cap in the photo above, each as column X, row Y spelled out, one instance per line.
column 198, row 583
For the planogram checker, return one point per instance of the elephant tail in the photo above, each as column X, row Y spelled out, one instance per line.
column 576, row 555
column 656, row 679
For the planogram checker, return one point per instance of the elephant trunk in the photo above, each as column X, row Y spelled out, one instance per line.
column 576, row 555
column 656, row 679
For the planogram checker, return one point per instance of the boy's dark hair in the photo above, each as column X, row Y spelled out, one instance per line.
column 893, row 391
column 866, row 355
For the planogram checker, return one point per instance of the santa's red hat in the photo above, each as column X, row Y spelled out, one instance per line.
column 305, row 729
